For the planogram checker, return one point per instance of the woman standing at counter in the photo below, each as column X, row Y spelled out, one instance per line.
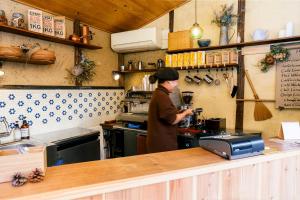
column 163, row 115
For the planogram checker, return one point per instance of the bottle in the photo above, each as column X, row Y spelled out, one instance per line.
column 18, row 135
column 25, row 130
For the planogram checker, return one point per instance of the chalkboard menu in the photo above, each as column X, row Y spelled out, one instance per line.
column 288, row 80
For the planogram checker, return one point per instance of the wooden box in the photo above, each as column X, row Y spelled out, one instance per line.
column 12, row 161
column 179, row 40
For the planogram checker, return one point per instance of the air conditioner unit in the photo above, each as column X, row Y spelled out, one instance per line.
column 137, row 40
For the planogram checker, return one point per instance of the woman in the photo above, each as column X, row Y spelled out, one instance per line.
column 163, row 115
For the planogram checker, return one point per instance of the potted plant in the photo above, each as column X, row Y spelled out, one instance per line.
column 224, row 19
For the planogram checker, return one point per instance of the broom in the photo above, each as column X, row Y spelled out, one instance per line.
column 261, row 112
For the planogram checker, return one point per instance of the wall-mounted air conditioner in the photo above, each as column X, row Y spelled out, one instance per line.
column 137, row 40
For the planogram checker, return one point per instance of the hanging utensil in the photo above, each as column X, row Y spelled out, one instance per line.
column 226, row 77
column 217, row 80
column 197, row 78
column 188, row 78
column 235, row 87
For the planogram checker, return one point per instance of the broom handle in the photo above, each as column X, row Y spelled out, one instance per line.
column 251, row 84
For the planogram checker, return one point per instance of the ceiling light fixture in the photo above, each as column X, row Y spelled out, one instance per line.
column 196, row 30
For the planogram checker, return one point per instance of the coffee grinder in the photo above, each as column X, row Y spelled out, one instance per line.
column 187, row 97
column 191, row 121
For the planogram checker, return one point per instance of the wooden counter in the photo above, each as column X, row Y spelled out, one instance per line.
column 184, row 174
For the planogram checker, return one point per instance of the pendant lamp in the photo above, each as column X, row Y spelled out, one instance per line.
column 196, row 30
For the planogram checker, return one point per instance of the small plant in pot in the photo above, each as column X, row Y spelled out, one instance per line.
column 82, row 72
column 224, row 19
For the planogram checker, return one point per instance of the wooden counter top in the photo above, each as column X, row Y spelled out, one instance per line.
column 90, row 178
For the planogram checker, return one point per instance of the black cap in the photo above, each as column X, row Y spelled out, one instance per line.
column 165, row 74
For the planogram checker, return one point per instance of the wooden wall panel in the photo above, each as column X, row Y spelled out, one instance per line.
column 97, row 197
column 250, row 182
column 181, row 189
column 208, row 186
column 231, row 184
column 149, row 192
column 270, row 187
column 297, row 176
column 288, row 178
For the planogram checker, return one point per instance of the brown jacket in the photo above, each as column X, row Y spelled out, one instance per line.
column 161, row 135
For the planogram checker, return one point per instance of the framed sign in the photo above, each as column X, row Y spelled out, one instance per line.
column 288, row 80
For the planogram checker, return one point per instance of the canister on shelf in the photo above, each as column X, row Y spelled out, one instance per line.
column 186, row 60
column 174, row 60
column 209, row 58
column 225, row 57
column 217, row 58
column 168, row 60
column 85, row 34
column 233, row 58
column 200, row 58
column 180, row 60
column 193, row 59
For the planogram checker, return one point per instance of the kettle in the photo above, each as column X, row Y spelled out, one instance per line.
column 160, row 63
column 260, row 34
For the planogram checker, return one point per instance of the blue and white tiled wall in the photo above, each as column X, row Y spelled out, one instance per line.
column 55, row 109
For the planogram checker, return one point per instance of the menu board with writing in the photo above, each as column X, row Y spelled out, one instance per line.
column 288, row 80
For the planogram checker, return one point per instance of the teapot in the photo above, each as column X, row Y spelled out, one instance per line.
column 260, row 34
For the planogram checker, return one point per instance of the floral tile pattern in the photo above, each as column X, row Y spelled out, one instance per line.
column 47, row 110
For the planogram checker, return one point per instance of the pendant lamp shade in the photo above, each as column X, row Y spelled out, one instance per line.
column 196, row 30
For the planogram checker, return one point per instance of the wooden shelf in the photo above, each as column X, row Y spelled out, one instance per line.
column 207, row 67
column 202, row 67
column 136, row 71
column 240, row 45
column 24, row 60
column 10, row 29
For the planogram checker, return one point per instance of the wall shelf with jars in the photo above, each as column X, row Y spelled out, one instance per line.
column 203, row 59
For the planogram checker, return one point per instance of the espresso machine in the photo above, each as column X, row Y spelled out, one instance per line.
column 192, row 120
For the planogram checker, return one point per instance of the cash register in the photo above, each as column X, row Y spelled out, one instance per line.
column 234, row 144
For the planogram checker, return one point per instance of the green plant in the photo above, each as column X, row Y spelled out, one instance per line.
column 225, row 17
column 86, row 74
column 276, row 55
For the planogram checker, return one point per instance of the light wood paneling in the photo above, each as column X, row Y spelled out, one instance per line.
column 181, row 189
column 149, row 192
column 109, row 15
column 250, row 177
column 230, row 181
column 98, row 197
column 208, row 186
column 270, row 182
